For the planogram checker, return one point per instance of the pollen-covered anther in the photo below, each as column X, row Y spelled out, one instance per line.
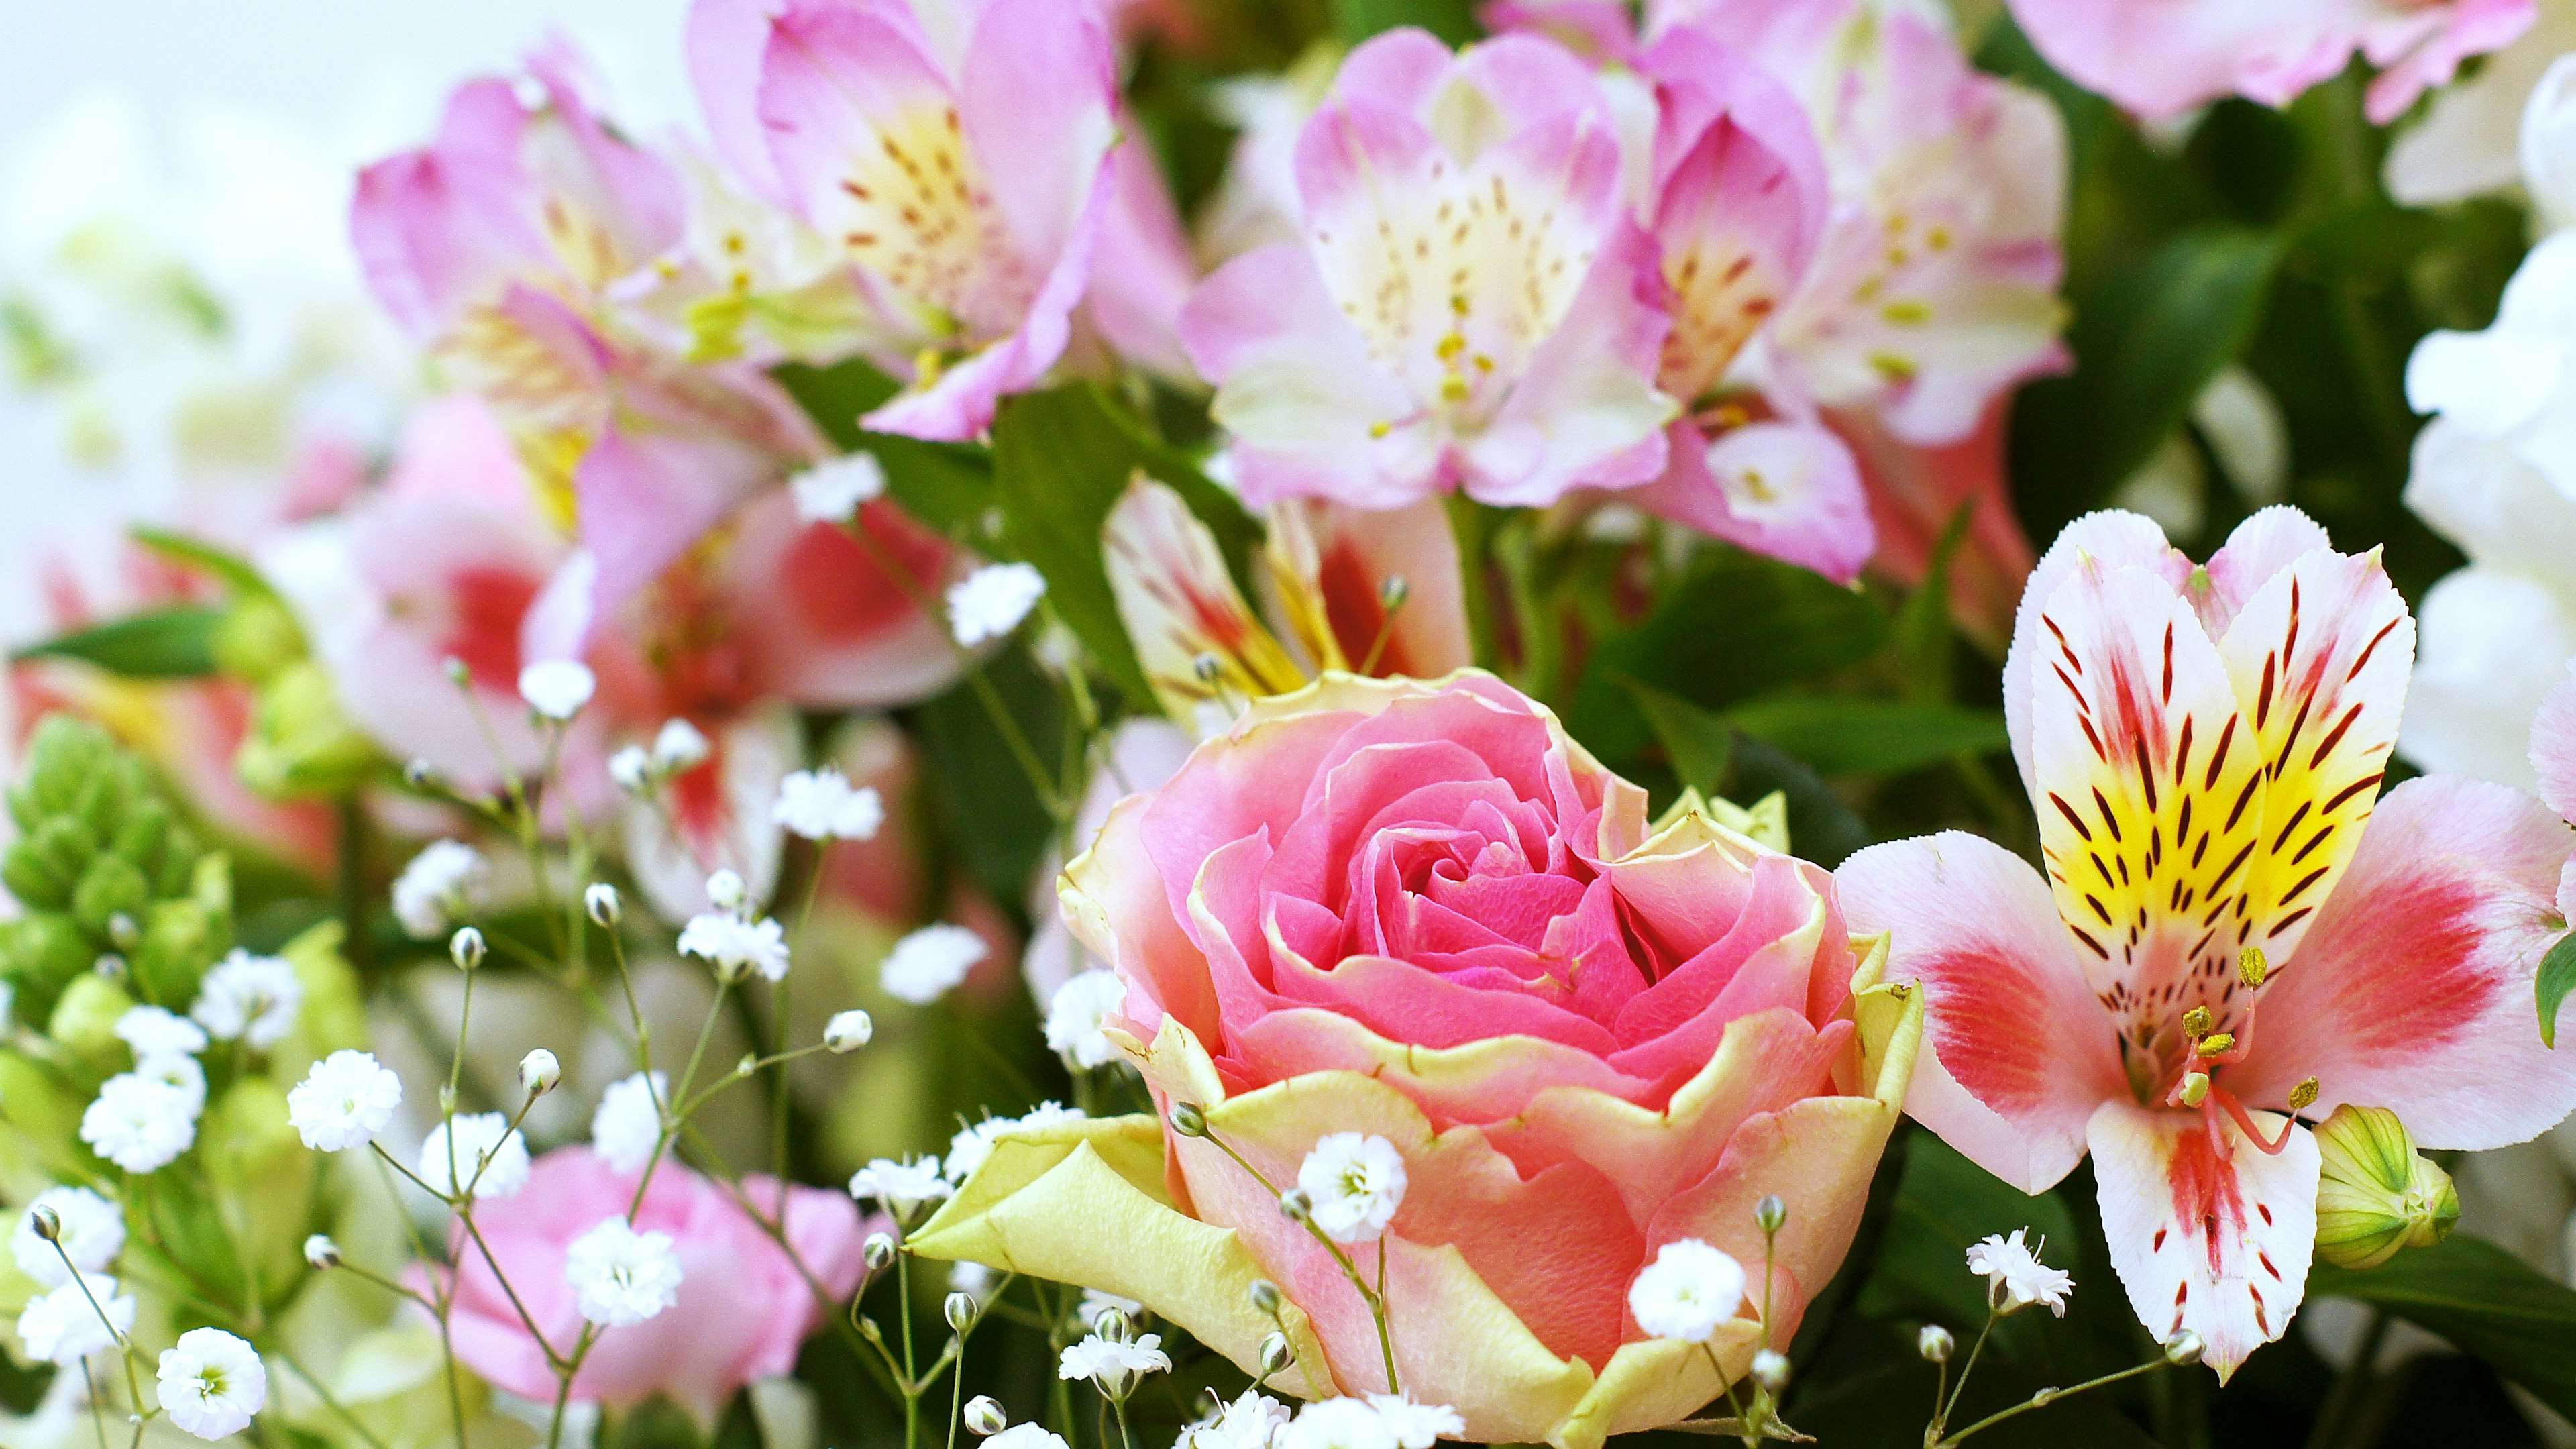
column 2219, row 1045
column 2304, row 1095
column 2195, row 1088
column 2197, row 1021
column 2251, row 967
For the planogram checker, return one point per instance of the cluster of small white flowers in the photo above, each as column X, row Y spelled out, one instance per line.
column 152, row 1031
column 445, row 880
column 990, row 602
column 831, row 491
column 88, row 1230
column 620, row 1276
column 904, row 1188
column 1253, row 1421
column 1355, row 1184
column 627, row 1127
column 250, row 999
column 212, row 1384
column 1113, row 1363
column 556, row 689
column 343, row 1102
column 736, row 947
column 489, row 1154
column 67, row 1324
column 1380, row 1421
column 929, row 963
column 821, row 805
column 143, row 1119
column 1687, row 1291
column 1075, row 1014
column 2015, row 1278
column 677, row 748
column 970, row 1147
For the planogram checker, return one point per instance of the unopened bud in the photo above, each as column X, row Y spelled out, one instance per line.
column 539, row 1072
column 321, row 1252
column 1771, row 1371
column 1770, row 1214
column 1276, row 1355
column 2195, row 1088
column 877, row 1252
column 984, row 1416
column 2184, row 1349
column 1189, row 1119
column 2304, row 1095
column 457, row 673
column 1208, row 668
column 749, row 1064
column 47, row 1223
column 604, row 905
column 465, row 948
column 122, row 930
column 1392, row 593
column 1265, row 1297
column 848, row 1031
column 2218, row 1045
column 110, row 967
column 2251, row 968
column 1296, row 1206
column 959, row 1310
column 2375, row 1193
column 420, row 774
column 2198, row 1021
column 2045, row 1397
column 1935, row 1343
column 725, row 889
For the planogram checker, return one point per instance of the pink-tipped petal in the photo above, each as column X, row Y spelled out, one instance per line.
column 1035, row 99
column 645, row 497
column 2112, row 537
column 443, row 228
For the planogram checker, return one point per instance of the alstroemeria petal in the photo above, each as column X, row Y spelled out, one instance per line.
column 2216, row 1240
column 2108, row 539
column 1181, row 607
column 2553, row 748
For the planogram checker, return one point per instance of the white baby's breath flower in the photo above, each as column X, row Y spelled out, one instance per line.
column 1027, row 1436
column 343, row 1102
column 212, row 1384
column 1355, row 1182
column 628, row 1125
column 929, row 963
column 557, row 688
column 1074, row 1017
column 2015, row 1278
column 602, row 903
column 1253, row 1421
column 1417, row 1426
column 251, row 999
column 831, row 491
column 488, row 1153
column 631, row 769
column 445, row 880
column 1111, row 1363
column 88, row 1229
column 679, row 747
column 1687, row 1291
column 621, row 1276
column 1095, row 1303
column 1339, row 1424
column 968, row 1149
column 154, row 1031
column 182, row 1072
column 820, row 805
column 141, row 1123
column 63, row 1325
column 848, row 1031
column 735, row 946
column 904, row 1188
column 990, row 602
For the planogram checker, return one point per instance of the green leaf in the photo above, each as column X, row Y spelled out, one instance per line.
column 171, row 644
column 2557, row 978
column 1452, row 20
column 1700, row 745
column 948, row 486
column 1839, row 735
column 1924, row 639
column 1061, row 459
column 1821, row 827
column 2487, row 1302
column 989, row 812
column 232, row 568
column 1944, row 1204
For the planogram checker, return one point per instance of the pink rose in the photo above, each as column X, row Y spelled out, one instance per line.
column 744, row 1307
column 1420, row 911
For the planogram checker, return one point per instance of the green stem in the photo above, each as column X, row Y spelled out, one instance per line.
column 2046, row 1397
column 1966, row 1366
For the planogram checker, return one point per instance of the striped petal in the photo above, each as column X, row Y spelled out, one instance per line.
column 1198, row 640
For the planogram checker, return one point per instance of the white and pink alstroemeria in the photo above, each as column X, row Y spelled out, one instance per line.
column 1469, row 307
column 955, row 157
column 2553, row 759
column 2218, row 947
column 2161, row 58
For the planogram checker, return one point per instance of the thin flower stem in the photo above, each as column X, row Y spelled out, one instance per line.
column 1375, row 1298
column 2046, row 1397
column 1119, row 1406
column 911, row 1384
column 97, row 1412
column 441, row 1308
column 320, row 1391
column 1967, row 1366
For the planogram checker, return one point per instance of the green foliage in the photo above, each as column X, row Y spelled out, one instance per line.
column 2557, row 978
column 948, row 486
column 2484, row 1300
column 175, row 643
column 1452, row 20
column 990, row 816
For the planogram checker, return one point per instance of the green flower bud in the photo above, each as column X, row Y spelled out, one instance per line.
column 256, row 638
column 85, row 1019
column 301, row 743
column 110, row 887
column 2376, row 1193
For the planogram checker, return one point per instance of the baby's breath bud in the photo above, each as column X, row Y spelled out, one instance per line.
column 602, row 902
column 1296, row 1206
column 1771, row 1371
column 1112, row 1325
column 1265, row 1297
column 725, row 889
column 2195, row 1088
column 959, row 1309
column 877, row 1252
column 420, row 774
column 47, row 1223
column 984, row 1416
column 1393, row 592
column 2304, row 1095
column 457, row 673
column 110, row 967
column 465, row 948
column 1935, row 1343
column 1770, row 1214
column 1208, row 668
column 848, row 1031
column 2198, row 1021
column 1276, row 1355
column 2184, row 1349
column 1189, row 1119
column 321, row 1252
column 539, row 1072
column 749, row 1064
column 2251, row 968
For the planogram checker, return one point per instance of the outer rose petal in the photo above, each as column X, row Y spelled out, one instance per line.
column 2216, row 1244
column 2414, row 989
column 2018, row 1053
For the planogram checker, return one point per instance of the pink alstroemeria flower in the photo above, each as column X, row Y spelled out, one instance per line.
column 2553, row 758
column 2160, row 58
column 2217, row 941
column 956, row 157
column 1469, row 309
